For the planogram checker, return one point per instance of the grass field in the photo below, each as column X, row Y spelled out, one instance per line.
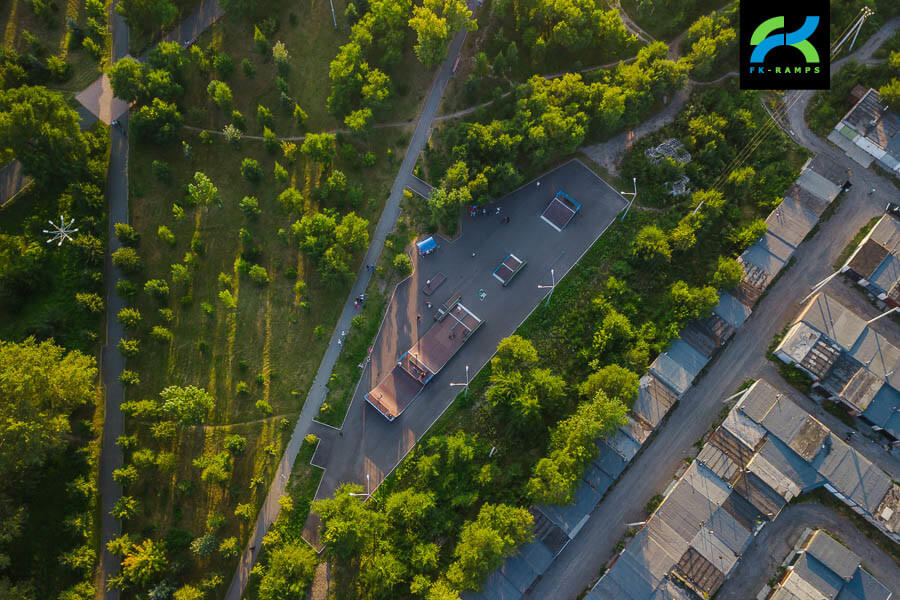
column 54, row 37
column 266, row 350
column 312, row 43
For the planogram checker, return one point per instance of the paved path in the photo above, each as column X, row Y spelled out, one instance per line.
column 112, row 362
column 270, row 508
column 777, row 539
column 422, row 188
column 580, row 564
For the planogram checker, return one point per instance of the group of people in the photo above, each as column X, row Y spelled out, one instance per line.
column 359, row 300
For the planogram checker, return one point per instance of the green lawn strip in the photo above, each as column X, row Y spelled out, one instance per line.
column 301, row 488
column 364, row 328
column 852, row 244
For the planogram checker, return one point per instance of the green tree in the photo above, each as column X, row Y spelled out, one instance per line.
column 127, row 260
column 142, row 565
column 129, row 317
column 651, row 244
column 320, row 147
column 289, row 573
column 40, row 386
column 359, row 121
column 159, row 121
column 617, row 383
column 202, row 191
column 220, row 93
column 484, row 543
column 147, row 15
column 188, row 405
column 42, row 131
column 352, row 233
column 128, row 77
column 728, row 274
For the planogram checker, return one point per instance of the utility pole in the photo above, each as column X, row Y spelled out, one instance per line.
column 633, row 196
column 466, row 384
column 366, row 495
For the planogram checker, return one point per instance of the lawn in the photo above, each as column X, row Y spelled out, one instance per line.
column 312, row 43
column 258, row 360
column 53, row 37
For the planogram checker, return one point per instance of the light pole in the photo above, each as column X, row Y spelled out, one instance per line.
column 466, row 384
column 367, row 494
column 633, row 196
column 62, row 232
column 884, row 314
column 551, row 287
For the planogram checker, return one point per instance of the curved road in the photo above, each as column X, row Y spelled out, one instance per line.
column 581, row 562
column 776, row 540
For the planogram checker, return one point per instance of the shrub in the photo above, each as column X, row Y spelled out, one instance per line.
column 203, row 546
column 259, row 275
column 91, row 302
column 166, row 315
column 300, row 288
column 248, row 68
column 223, row 65
column 165, row 235
column 264, row 407
column 227, row 300
column 125, row 476
column 290, row 200
column 259, row 38
column 157, row 288
column 281, row 174
column 236, row 444
column 229, row 547
column 126, row 289
column 162, row 171
column 130, row 318
column 232, row 135
column 208, row 309
column 244, row 512
column 129, row 348
column 127, row 260
column 263, row 116
column 311, row 439
column 282, row 57
column 270, row 142
column 251, row 170
column 249, row 205
column 127, row 235
column 129, row 378
column 238, row 120
column 403, row 264
column 300, row 115
column 161, row 334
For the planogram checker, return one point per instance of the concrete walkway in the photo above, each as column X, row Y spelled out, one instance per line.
column 422, row 188
column 777, row 539
column 270, row 508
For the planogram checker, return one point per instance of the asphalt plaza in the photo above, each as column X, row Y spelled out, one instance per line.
column 369, row 444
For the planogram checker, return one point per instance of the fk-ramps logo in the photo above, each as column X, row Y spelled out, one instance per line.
column 785, row 49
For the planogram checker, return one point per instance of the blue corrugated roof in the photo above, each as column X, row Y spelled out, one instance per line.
column 884, row 410
column 570, row 518
column 733, row 311
column 687, row 356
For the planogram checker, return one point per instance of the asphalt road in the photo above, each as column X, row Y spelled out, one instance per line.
column 371, row 445
column 112, row 362
column 582, row 561
column 776, row 540
column 270, row 508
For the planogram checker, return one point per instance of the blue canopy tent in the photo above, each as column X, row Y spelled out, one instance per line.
column 427, row 246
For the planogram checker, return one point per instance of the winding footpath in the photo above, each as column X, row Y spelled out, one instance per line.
column 581, row 562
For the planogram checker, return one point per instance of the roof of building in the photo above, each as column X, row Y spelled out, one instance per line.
column 867, row 258
column 884, row 410
column 809, row 576
column 833, row 554
column 852, row 474
column 819, row 186
column 807, row 199
column 809, row 348
column 791, row 222
column 862, row 388
column 864, row 587
column 888, row 512
column 733, row 311
column 654, row 400
column 759, row 255
column 833, row 319
column 872, row 119
column 878, row 355
column 687, row 356
column 831, row 170
column 672, row 373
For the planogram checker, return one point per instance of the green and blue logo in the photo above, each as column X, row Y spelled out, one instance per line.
column 784, row 49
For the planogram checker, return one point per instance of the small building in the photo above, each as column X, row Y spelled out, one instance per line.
column 822, row 567
column 875, row 264
column 847, row 360
column 868, row 132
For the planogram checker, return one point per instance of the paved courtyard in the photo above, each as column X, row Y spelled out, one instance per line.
column 368, row 444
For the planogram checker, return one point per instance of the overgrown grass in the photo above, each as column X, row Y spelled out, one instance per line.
column 852, row 244
column 54, row 37
column 312, row 42
column 263, row 351
column 666, row 20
